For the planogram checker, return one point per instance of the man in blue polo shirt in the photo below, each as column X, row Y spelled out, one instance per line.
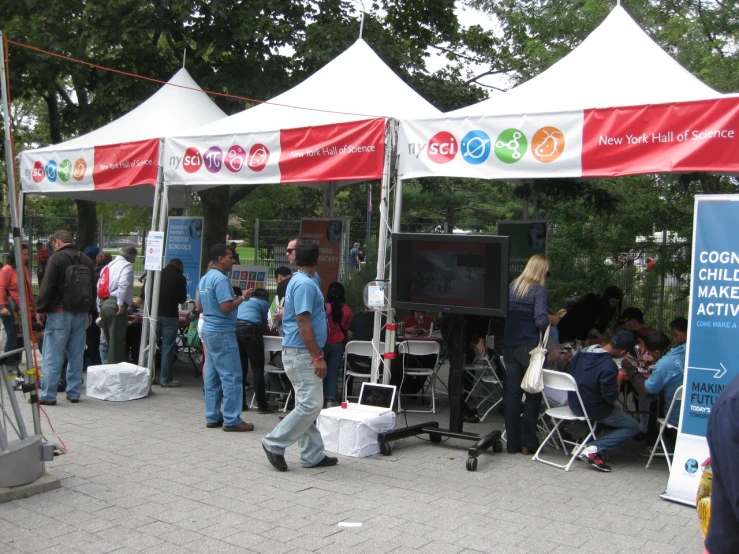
column 222, row 371
column 305, row 325
column 252, row 317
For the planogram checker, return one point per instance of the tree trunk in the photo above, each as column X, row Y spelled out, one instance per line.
column 216, row 207
column 87, row 228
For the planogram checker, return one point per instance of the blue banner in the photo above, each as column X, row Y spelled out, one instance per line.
column 185, row 241
column 714, row 311
column 713, row 336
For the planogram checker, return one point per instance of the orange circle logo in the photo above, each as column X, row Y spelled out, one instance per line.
column 80, row 167
column 547, row 144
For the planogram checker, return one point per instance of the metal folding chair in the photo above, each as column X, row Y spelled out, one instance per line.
column 664, row 424
column 358, row 348
column 564, row 382
column 420, row 348
column 272, row 344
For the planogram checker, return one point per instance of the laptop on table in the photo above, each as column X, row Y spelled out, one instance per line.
column 375, row 398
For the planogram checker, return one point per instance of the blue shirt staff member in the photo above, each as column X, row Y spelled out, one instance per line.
column 252, row 317
column 305, row 325
column 222, row 372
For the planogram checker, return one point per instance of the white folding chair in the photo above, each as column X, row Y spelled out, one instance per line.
column 358, row 348
column 562, row 381
column 420, row 348
column 664, row 424
column 273, row 344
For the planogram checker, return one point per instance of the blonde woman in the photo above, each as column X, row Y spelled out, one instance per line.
column 527, row 316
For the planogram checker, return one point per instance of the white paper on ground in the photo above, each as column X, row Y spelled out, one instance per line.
column 349, row 524
column 117, row 382
column 353, row 432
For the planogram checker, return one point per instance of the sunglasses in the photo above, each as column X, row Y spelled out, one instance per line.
column 290, row 250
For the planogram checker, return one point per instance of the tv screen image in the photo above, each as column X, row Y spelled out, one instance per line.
column 450, row 273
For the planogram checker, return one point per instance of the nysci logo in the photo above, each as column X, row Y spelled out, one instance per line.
column 510, row 146
column 38, row 172
column 214, row 159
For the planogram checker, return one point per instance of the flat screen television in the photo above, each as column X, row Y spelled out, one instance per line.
column 464, row 274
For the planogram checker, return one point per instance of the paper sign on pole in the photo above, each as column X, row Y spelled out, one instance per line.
column 154, row 251
column 713, row 332
column 185, row 241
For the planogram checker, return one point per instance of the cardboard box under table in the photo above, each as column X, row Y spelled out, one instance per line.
column 353, row 431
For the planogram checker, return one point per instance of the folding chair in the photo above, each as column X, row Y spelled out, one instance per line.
column 420, row 348
column 272, row 344
column 663, row 424
column 564, row 382
column 358, row 348
column 487, row 374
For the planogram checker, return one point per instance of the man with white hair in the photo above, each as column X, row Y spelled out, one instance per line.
column 115, row 295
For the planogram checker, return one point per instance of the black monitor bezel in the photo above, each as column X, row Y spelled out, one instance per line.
column 444, row 308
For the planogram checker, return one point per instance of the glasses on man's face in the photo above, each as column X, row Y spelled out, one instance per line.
column 290, row 250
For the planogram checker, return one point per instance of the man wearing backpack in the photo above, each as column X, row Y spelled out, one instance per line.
column 65, row 302
column 115, row 295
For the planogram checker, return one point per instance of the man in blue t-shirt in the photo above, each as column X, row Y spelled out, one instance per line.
column 222, row 372
column 252, row 317
column 354, row 256
column 305, row 325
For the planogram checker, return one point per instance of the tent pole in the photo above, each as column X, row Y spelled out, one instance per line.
column 150, row 274
column 156, row 285
column 390, row 146
column 17, row 237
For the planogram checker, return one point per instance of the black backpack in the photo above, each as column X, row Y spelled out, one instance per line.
column 78, row 296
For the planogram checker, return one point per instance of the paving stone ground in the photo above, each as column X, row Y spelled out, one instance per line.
column 147, row 476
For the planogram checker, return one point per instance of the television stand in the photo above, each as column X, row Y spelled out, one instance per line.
column 456, row 422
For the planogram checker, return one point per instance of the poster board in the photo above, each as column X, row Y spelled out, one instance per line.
column 185, row 241
column 327, row 233
column 713, row 332
column 249, row 276
column 526, row 238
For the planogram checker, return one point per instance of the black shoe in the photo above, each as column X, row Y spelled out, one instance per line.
column 277, row 460
column 73, row 400
column 44, row 402
column 327, row 461
column 640, row 436
column 266, row 409
column 214, row 425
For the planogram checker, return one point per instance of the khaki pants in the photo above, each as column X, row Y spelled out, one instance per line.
column 114, row 327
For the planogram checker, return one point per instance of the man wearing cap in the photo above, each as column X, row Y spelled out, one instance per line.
column 595, row 371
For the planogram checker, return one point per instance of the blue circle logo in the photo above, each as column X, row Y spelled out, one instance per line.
column 691, row 465
column 475, row 147
column 51, row 171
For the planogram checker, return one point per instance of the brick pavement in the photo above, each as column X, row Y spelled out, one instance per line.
column 147, row 476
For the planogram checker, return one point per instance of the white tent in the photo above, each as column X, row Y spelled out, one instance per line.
column 356, row 86
column 618, row 64
column 171, row 110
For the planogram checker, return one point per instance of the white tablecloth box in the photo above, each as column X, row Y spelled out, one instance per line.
column 353, row 432
column 117, row 382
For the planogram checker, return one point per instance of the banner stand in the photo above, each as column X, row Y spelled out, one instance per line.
column 713, row 332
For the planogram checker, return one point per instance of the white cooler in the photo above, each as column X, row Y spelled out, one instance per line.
column 353, row 432
column 117, row 382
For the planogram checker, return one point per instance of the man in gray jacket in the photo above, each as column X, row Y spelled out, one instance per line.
column 115, row 295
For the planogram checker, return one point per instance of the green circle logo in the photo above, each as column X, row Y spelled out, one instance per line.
column 510, row 146
column 65, row 170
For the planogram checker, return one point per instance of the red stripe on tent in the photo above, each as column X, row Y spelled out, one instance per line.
column 126, row 165
column 665, row 138
column 352, row 151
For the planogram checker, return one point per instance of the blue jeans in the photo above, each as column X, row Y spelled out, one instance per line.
column 167, row 330
column 299, row 424
column 625, row 427
column 520, row 430
column 13, row 342
column 222, row 378
column 65, row 333
column 333, row 354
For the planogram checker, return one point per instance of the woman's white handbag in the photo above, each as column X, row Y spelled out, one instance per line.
column 533, row 379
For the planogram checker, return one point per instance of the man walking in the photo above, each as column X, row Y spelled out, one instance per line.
column 305, row 325
column 222, row 372
column 172, row 293
column 115, row 294
column 64, row 302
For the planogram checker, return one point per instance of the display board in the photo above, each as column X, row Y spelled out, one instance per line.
column 713, row 333
column 249, row 276
column 185, row 241
column 526, row 238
